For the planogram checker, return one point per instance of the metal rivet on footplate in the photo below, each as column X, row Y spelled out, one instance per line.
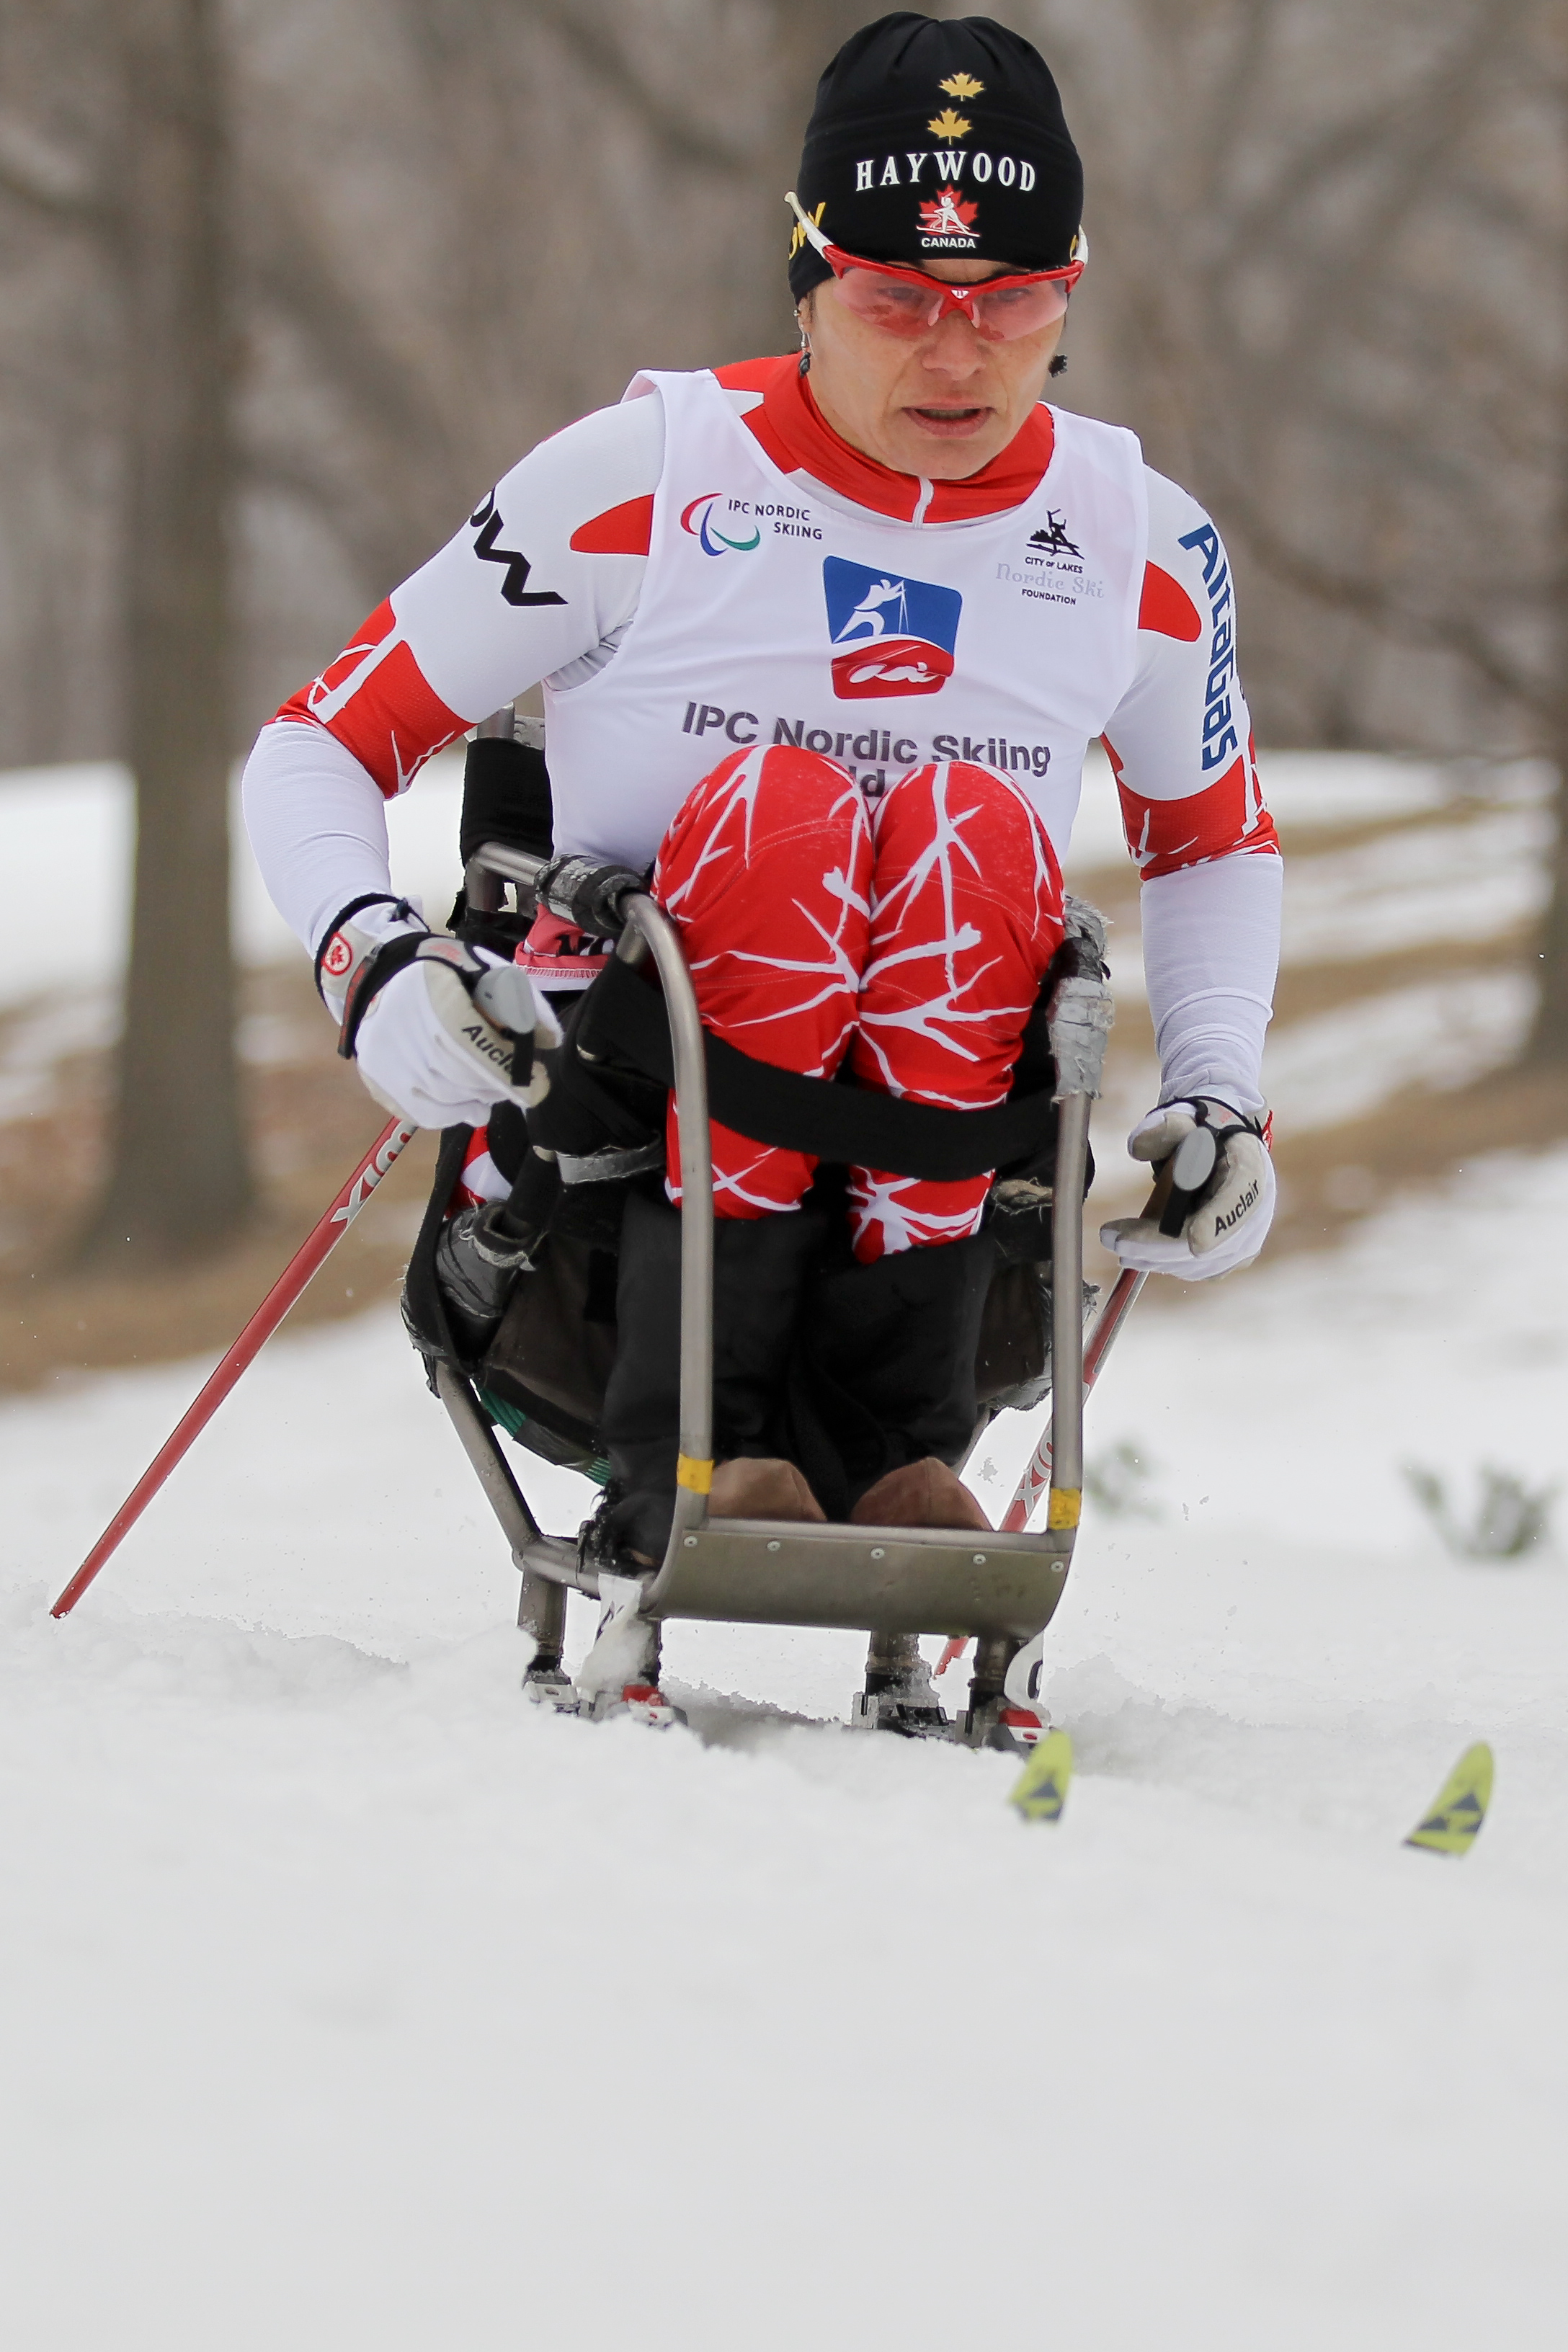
column 980, row 1559
column 775, row 1545
column 877, row 1553
column 690, row 1543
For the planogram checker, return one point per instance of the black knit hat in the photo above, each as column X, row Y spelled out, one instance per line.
column 937, row 136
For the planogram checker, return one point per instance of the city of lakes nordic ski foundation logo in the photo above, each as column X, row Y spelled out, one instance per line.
column 889, row 636
column 697, row 518
column 1054, row 540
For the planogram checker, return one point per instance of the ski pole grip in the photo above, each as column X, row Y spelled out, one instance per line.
column 505, row 996
column 1185, row 1174
column 1155, row 1206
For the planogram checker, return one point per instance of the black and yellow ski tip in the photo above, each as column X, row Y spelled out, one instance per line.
column 1451, row 1822
column 1041, row 1789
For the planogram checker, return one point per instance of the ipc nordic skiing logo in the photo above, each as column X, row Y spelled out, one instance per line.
column 890, row 635
column 697, row 518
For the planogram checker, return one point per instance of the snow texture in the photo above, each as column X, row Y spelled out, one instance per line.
column 66, row 835
column 349, row 2001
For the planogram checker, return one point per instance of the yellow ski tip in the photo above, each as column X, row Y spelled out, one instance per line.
column 1459, row 1807
column 1041, row 1789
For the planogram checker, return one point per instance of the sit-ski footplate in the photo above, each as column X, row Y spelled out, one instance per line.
column 879, row 1579
column 946, row 1580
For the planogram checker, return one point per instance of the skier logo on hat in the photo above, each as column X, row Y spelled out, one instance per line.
column 946, row 214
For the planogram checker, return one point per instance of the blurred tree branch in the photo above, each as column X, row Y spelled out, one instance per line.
column 1337, row 247
column 672, row 126
column 38, row 173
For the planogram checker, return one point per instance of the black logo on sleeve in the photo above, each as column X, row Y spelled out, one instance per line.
column 514, row 588
column 1053, row 539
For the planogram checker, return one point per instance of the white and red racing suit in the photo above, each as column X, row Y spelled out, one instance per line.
column 734, row 614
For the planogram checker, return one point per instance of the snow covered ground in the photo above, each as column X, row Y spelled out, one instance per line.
column 1460, row 858
column 67, row 836
column 347, row 2002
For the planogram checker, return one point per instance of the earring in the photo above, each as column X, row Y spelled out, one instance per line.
column 1058, row 366
column 804, row 346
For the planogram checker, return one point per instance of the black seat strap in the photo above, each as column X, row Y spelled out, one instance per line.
column 835, row 1122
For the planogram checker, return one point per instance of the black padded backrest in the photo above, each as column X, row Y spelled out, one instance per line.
column 505, row 798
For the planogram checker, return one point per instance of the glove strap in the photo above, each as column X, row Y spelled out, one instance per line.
column 395, row 955
column 1241, row 1122
column 335, row 954
column 381, row 964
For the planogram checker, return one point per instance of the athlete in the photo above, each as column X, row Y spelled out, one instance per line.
column 823, row 640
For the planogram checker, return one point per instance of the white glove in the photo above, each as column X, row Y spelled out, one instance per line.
column 438, row 1041
column 1220, row 1158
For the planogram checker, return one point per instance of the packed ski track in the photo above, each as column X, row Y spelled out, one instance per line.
column 350, row 2000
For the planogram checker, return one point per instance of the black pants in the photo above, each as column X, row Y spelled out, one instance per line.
column 849, row 1371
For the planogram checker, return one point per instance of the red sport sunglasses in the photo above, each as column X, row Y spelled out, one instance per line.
column 905, row 301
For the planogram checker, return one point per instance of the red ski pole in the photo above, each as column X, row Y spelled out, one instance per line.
column 1124, row 1292
column 306, row 1261
column 1036, row 1477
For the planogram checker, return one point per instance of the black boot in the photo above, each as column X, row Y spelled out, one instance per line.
column 758, row 1269
column 482, row 1252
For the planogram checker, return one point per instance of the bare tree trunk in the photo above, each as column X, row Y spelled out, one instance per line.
column 1547, row 1046
column 179, row 1181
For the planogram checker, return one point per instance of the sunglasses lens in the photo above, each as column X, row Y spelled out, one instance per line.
column 895, row 304
column 1016, row 311
column 900, row 306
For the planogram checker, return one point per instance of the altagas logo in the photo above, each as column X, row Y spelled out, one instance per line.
column 947, row 214
column 889, row 635
column 698, row 520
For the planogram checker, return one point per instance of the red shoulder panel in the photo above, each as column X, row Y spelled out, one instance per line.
column 625, row 530
column 375, row 699
column 1226, row 817
column 1166, row 607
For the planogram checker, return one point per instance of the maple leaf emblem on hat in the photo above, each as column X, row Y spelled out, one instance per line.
column 946, row 214
column 962, row 84
column 949, row 125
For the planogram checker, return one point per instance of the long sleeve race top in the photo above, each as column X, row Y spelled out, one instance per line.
column 546, row 579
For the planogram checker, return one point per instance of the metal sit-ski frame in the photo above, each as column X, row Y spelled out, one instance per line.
column 1000, row 1589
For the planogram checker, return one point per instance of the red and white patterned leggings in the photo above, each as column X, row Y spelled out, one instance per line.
column 912, row 936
